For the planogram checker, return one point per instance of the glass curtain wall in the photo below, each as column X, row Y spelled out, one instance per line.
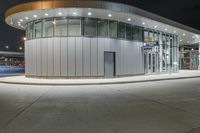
column 89, row 27
column 74, row 27
column 102, row 28
column 161, row 55
column 60, row 27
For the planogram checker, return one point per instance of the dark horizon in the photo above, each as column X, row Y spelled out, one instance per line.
column 182, row 11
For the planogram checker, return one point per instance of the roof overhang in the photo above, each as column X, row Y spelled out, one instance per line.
column 99, row 9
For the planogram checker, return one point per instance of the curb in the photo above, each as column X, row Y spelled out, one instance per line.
column 102, row 83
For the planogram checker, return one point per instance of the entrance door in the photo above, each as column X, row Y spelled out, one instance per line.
column 109, row 64
column 151, row 59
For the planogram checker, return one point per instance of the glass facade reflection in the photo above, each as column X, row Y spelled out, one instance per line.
column 89, row 27
column 161, row 52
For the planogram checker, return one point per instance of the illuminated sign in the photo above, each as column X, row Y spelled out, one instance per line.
column 151, row 44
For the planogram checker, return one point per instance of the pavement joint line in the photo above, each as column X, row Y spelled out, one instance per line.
column 21, row 112
column 98, row 83
column 164, row 104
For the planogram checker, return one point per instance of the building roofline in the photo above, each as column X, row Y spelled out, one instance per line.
column 113, row 6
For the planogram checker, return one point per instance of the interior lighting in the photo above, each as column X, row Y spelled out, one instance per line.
column 109, row 15
column 46, row 14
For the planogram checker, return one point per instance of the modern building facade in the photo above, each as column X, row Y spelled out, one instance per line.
column 89, row 38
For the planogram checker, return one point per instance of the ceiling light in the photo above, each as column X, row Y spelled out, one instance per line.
column 26, row 18
column 155, row 26
column 21, row 20
column 18, row 22
column 46, row 14
column 74, row 13
column 174, row 31
column 109, row 15
column 165, row 29
column 181, row 40
column 184, row 34
column 35, row 16
column 60, row 13
column 143, row 23
column 129, row 19
column 89, row 13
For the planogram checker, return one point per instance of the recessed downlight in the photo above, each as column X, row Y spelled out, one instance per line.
column 74, row 13
column 26, row 18
column 89, row 13
column 129, row 19
column 109, row 15
column 35, row 16
column 46, row 14
column 59, row 13
column 143, row 23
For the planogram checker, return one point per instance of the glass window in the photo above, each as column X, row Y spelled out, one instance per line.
column 89, row 27
column 38, row 29
column 113, row 29
column 129, row 32
column 48, row 28
column 74, row 27
column 60, row 27
column 102, row 28
column 138, row 34
column 27, row 31
column 30, row 31
column 122, row 30
column 151, row 36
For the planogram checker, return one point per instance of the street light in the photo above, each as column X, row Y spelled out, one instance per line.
column 20, row 48
column 7, row 47
column 24, row 38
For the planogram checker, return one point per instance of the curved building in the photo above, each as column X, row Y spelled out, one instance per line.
column 90, row 38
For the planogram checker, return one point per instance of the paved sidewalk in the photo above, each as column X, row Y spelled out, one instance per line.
column 183, row 74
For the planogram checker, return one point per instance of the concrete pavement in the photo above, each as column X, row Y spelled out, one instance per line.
column 171, row 106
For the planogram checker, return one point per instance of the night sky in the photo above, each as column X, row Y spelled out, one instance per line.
column 183, row 11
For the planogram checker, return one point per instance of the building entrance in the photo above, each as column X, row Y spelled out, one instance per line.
column 151, row 60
